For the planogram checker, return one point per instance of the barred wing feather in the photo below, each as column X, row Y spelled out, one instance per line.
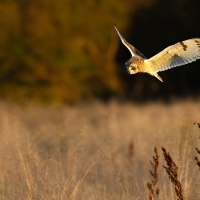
column 132, row 49
column 176, row 55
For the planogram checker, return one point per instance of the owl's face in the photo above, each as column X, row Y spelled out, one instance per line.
column 131, row 67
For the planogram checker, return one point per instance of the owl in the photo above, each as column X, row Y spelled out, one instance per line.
column 175, row 55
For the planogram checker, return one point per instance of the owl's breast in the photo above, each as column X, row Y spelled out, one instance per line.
column 146, row 67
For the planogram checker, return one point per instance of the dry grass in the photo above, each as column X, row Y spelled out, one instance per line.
column 196, row 158
column 172, row 171
column 153, row 191
column 96, row 151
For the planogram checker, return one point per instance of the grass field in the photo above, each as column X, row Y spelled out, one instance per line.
column 97, row 151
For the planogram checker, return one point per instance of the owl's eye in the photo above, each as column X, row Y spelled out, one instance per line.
column 133, row 68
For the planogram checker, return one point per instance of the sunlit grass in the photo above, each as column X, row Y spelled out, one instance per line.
column 96, row 151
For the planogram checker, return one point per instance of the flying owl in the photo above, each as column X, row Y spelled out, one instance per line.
column 175, row 55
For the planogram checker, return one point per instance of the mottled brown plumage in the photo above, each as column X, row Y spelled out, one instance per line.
column 175, row 55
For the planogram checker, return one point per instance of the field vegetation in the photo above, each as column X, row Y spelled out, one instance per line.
column 99, row 151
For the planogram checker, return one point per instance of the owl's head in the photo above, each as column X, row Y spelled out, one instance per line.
column 131, row 66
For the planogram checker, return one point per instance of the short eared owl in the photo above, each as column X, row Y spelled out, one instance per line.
column 178, row 54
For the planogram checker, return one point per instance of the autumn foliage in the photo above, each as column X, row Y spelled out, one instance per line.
column 61, row 50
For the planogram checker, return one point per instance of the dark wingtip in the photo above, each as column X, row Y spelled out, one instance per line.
column 114, row 25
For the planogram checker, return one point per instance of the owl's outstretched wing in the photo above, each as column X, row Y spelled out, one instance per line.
column 176, row 55
column 132, row 49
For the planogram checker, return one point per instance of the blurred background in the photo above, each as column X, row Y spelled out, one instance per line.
column 67, row 51
column 54, row 54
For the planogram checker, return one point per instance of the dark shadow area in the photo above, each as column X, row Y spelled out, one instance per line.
column 152, row 30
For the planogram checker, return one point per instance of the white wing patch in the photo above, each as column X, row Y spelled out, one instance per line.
column 176, row 55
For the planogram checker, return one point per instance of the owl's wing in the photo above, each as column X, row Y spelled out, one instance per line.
column 132, row 49
column 178, row 54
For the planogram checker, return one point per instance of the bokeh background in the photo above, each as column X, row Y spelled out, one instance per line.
column 73, row 124
column 67, row 51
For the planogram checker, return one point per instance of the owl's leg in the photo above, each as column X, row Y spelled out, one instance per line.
column 158, row 77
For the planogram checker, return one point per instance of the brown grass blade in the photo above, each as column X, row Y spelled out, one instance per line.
column 172, row 171
column 151, row 186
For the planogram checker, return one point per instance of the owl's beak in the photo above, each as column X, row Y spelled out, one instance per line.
column 127, row 70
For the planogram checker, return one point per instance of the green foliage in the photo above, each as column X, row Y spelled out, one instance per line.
column 60, row 50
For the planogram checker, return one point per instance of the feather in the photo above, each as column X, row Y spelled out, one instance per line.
column 176, row 55
column 132, row 49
